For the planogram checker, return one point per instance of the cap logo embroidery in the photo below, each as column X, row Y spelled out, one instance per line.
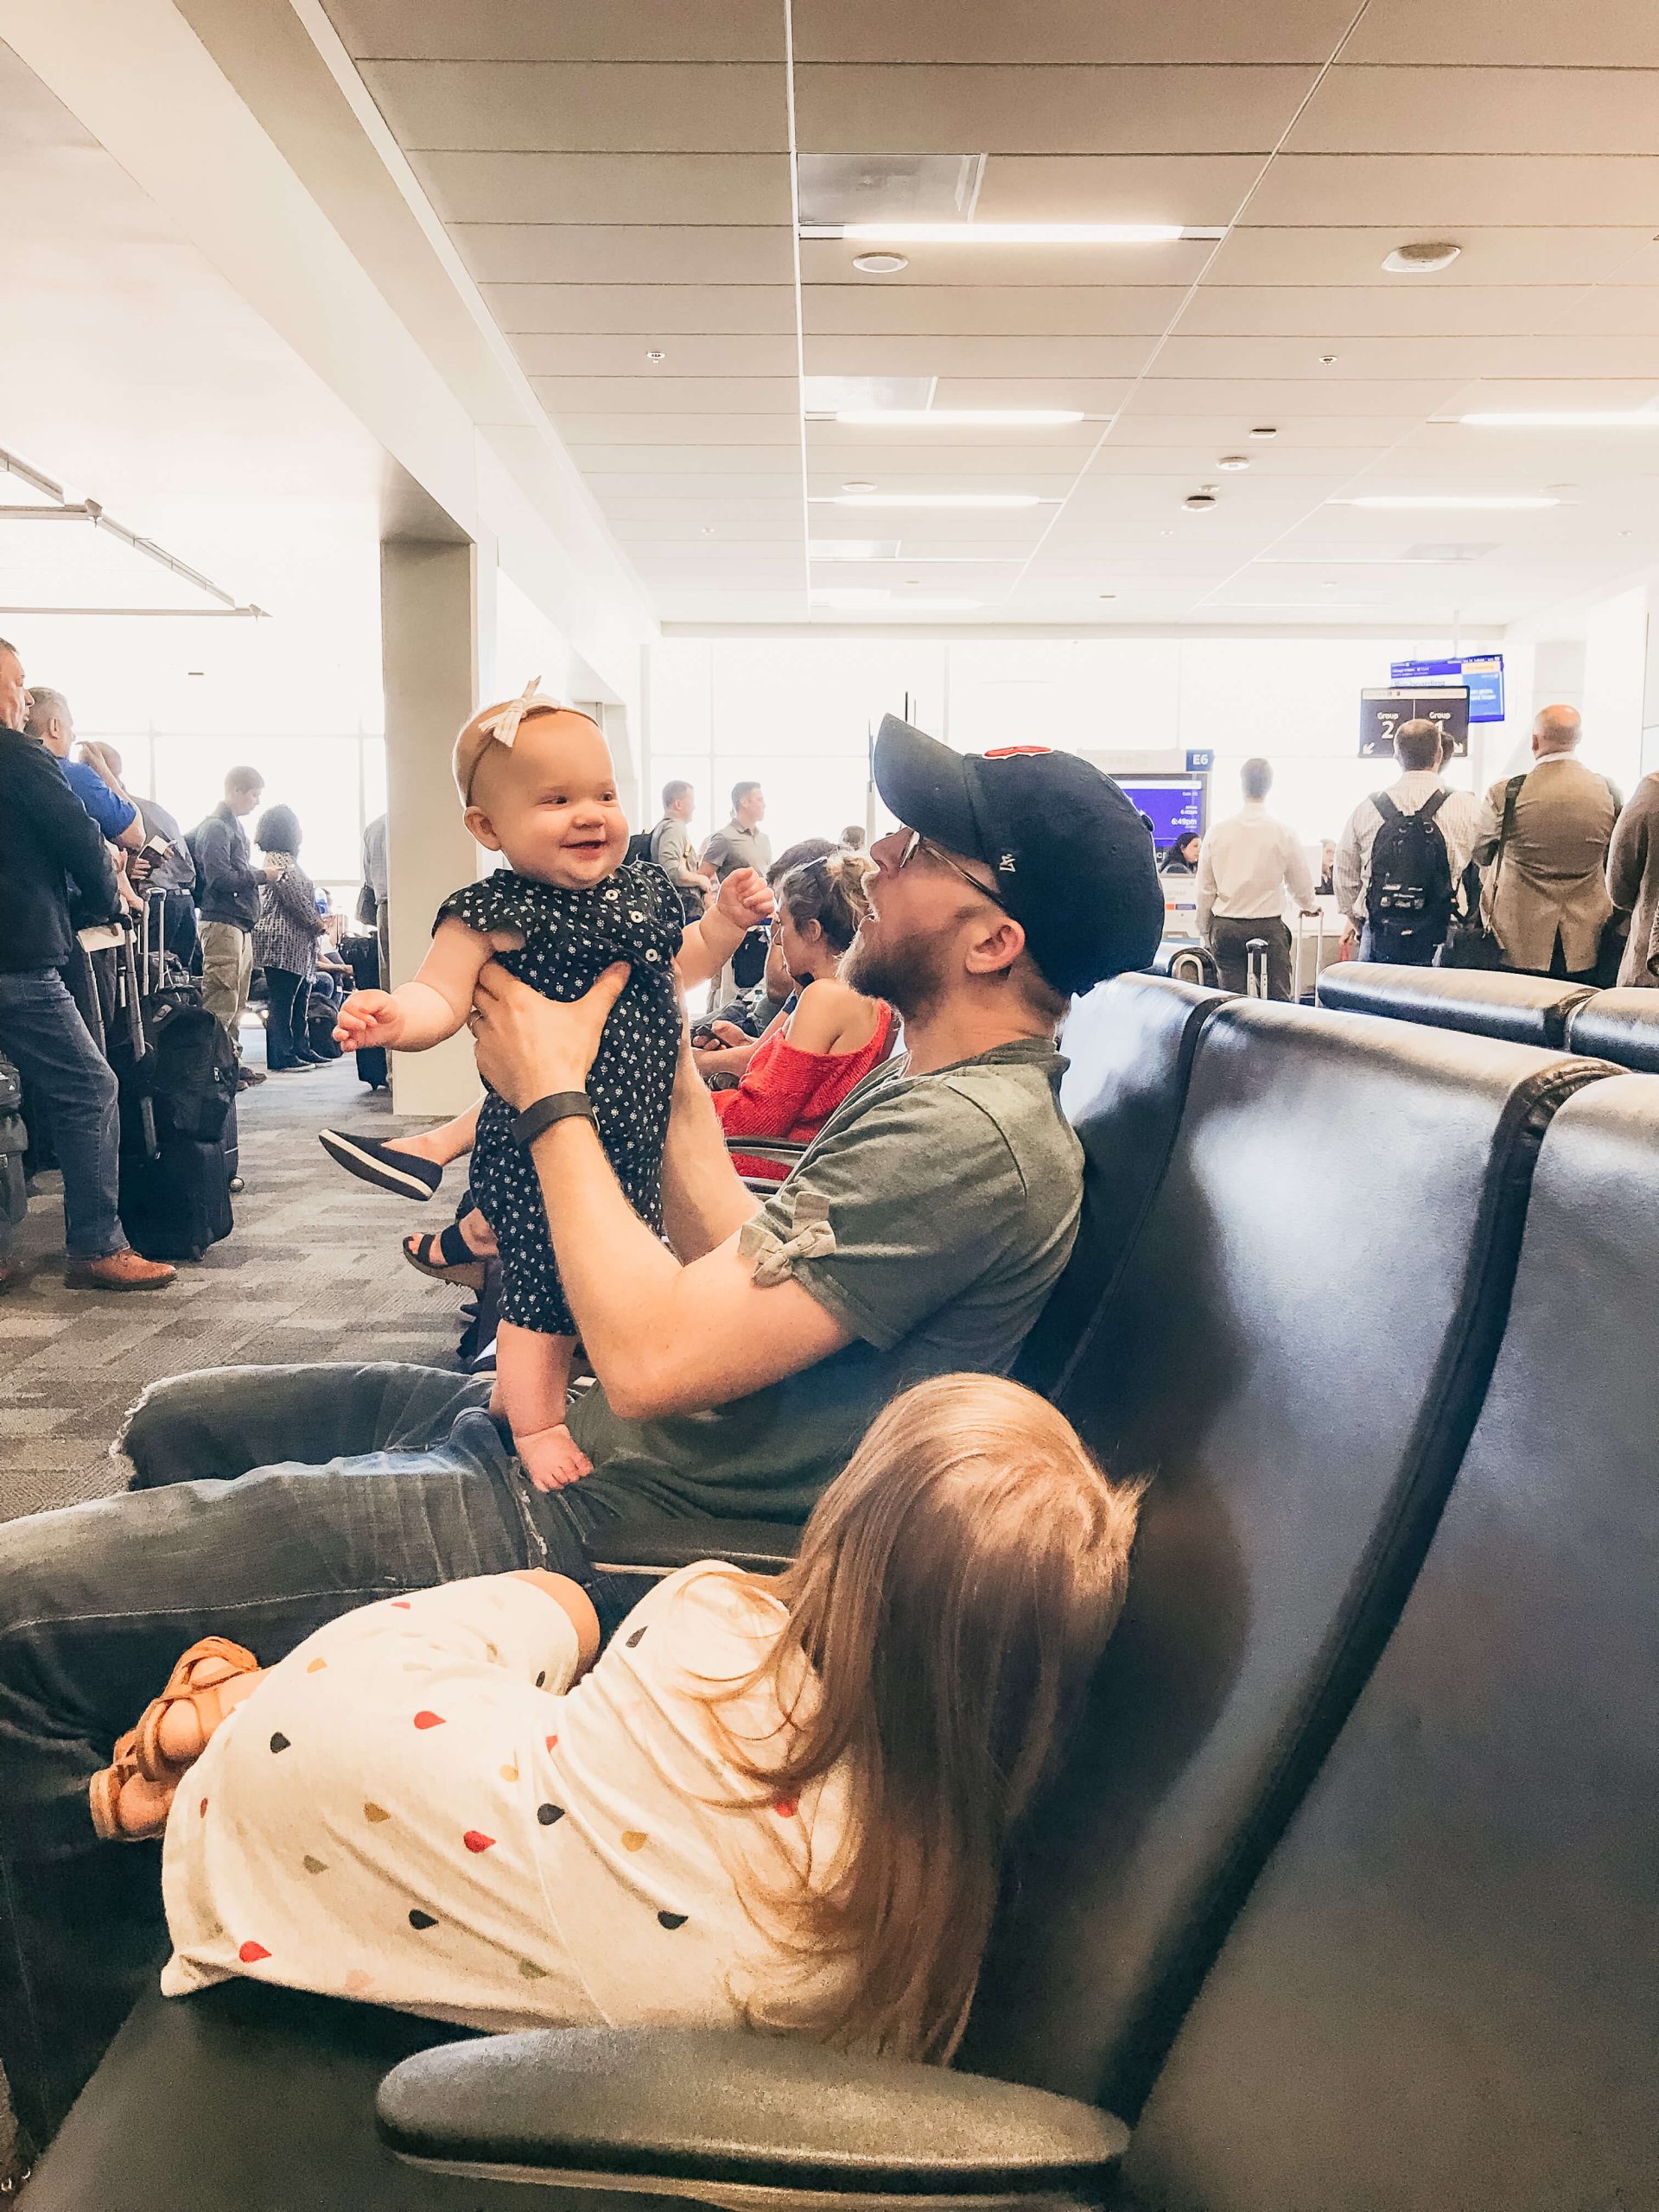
column 1006, row 866
column 1014, row 751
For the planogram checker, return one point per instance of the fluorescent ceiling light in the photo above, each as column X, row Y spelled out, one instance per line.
column 852, row 549
column 1566, row 418
column 940, row 499
column 1401, row 500
column 949, row 418
column 902, row 234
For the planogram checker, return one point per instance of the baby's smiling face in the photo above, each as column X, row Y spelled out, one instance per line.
column 549, row 802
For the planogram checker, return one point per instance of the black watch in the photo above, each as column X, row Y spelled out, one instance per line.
column 542, row 1113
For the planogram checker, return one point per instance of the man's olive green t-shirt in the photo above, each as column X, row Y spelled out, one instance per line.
column 931, row 1216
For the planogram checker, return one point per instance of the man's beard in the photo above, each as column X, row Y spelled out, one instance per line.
column 910, row 975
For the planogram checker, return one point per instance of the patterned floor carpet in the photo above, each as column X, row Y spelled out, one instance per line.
column 312, row 1271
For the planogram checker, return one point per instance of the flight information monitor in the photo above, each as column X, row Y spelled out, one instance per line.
column 1174, row 805
column 1382, row 712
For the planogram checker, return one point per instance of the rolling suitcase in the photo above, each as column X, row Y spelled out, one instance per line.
column 173, row 1188
column 1255, row 967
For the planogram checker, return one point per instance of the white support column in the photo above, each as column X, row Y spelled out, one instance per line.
column 437, row 628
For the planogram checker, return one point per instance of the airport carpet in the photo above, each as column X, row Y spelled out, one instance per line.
column 311, row 1271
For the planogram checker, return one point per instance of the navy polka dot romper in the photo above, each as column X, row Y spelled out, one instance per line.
column 570, row 939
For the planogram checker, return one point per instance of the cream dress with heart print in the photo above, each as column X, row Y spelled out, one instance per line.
column 420, row 1808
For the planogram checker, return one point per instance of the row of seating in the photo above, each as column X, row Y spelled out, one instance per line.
column 1618, row 1025
column 1345, row 1901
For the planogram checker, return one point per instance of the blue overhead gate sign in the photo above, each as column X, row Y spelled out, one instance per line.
column 1483, row 674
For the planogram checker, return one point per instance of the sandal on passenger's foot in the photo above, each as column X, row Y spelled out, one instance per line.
column 447, row 1257
column 197, row 1680
column 104, row 1792
column 374, row 1161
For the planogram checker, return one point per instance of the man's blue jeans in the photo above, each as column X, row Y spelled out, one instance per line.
column 266, row 1501
column 40, row 1030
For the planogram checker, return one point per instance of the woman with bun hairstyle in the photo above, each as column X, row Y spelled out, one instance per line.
column 836, row 1035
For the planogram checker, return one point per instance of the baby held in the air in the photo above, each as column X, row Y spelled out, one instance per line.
column 537, row 782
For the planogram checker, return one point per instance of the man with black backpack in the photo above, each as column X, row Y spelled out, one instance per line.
column 1401, row 858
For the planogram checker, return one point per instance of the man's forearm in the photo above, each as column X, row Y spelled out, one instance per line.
column 703, row 1197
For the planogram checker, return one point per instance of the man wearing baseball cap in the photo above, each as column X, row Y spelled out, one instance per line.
column 920, row 1235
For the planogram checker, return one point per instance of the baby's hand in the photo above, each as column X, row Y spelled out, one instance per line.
column 369, row 1018
column 744, row 898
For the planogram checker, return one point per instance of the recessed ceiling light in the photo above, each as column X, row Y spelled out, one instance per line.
column 858, row 485
column 1448, row 499
column 655, row 355
column 1265, row 430
column 708, row 529
column 880, row 264
column 1109, row 595
column 1565, row 418
column 938, row 499
column 1234, row 461
column 1422, row 260
column 969, row 233
column 1327, row 360
column 948, row 418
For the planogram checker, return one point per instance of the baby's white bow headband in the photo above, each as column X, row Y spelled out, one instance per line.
column 503, row 726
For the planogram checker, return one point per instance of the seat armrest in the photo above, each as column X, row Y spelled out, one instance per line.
column 696, row 2111
column 652, row 1548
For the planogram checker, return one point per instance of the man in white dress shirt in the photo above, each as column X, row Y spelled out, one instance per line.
column 1417, row 748
column 1248, row 866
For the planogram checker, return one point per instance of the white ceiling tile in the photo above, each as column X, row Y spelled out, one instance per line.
column 1350, row 255
column 1263, row 401
column 574, row 30
column 595, row 107
column 966, row 352
column 1046, row 109
column 1067, row 30
column 1199, row 460
column 677, row 188
column 1329, row 311
column 1613, row 34
column 916, row 472
column 1504, row 110
column 687, row 431
column 649, row 310
column 1436, row 194
column 780, row 483
column 1199, row 190
column 554, row 253
column 1071, row 311
column 746, row 521
column 1408, row 354
column 654, row 395
column 1140, row 425
column 663, row 465
column 569, row 354
column 830, row 261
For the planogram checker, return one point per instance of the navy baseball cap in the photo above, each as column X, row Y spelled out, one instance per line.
column 1070, row 855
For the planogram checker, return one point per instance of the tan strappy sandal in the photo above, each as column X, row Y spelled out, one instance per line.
column 103, row 1795
column 196, row 1680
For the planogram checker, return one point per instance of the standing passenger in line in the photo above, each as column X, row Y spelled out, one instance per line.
column 227, row 899
column 1248, row 866
column 1546, row 898
column 1417, row 747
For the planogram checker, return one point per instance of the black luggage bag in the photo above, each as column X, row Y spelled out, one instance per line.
column 362, row 955
column 177, row 1079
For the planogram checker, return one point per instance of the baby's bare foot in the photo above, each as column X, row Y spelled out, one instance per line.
column 552, row 1458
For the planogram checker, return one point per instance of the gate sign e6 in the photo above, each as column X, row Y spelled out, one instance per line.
column 1382, row 712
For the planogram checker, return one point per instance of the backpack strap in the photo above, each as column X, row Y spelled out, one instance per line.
column 1431, row 807
column 1386, row 807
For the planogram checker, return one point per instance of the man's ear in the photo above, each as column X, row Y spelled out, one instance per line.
column 993, row 949
column 482, row 827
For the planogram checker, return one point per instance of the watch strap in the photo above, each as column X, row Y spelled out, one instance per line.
column 542, row 1113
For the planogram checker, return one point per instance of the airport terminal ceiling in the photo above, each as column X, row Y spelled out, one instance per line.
column 654, row 202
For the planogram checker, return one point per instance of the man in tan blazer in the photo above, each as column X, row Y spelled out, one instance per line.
column 1545, row 894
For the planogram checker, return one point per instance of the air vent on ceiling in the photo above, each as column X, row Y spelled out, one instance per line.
column 837, row 188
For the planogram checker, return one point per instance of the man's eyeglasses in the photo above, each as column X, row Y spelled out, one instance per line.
column 920, row 844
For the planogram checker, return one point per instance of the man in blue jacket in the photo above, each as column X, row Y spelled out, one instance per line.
column 50, row 847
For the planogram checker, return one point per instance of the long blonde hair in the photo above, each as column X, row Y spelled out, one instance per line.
column 953, row 1592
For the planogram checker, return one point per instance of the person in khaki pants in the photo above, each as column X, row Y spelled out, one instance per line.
column 227, row 898
column 1545, row 896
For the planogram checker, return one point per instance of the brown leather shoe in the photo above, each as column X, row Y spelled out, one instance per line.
column 10, row 1275
column 119, row 1271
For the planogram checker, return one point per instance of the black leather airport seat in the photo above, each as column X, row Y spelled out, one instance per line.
column 1618, row 1025
column 1130, row 1048
column 1296, row 1348
column 1185, row 960
column 1444, row 1990
column 1482, row 1001
column 1295, row 1352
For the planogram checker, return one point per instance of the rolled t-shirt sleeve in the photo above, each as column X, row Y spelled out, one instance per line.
column 896, row 1215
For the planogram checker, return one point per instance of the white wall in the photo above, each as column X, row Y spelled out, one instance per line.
column 796, row 713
